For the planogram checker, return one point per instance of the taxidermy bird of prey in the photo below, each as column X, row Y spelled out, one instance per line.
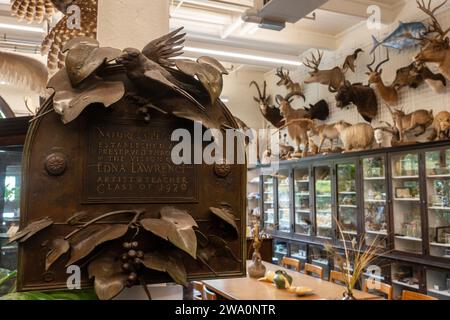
column 38, row 10
column 23, row 71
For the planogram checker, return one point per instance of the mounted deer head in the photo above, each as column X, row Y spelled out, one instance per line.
column 333, row 78
column 294, row 88
column 388, row 93
column 435, row 49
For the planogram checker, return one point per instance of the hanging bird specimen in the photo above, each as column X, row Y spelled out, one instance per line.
column 23, row 71
column 38, row 10
column 350, row 61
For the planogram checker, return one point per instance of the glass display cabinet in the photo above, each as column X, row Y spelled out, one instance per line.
column 406, row 195
column 253, row 200
column 347, row 200
column 10, row 184
column 407, row 276
column 299, row 251
column 284, row 201
column 268, row 200
column 323, row 201
column 438, row 284
column 375, row 200
column 280, row 250
column 302, row 205
column 438, row 194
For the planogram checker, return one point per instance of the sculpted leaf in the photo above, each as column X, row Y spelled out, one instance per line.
column 30, row 230
column 226, row 214
column 58, row 248
column 109, row 278
column 82, row 246
column 69, row 102
column 175, row 226
column 169, row 263
column 217, row 247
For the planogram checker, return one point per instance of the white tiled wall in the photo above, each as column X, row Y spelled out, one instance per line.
column 360, row 37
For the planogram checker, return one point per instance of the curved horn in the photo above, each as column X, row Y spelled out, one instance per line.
column 278, row 99
column 295, row 94
column 257, row 87
column 369, row 66
column 384, row 61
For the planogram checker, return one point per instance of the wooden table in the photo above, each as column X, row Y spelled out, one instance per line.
column 252, row 289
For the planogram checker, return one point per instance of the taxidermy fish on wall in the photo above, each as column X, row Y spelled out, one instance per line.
column 405, row 36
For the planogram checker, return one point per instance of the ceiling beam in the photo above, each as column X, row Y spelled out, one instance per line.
column 359, row 9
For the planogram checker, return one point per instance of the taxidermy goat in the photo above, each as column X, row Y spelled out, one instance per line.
column 332, row 78
column 355, row 137
column 24, row 72
column 441, row 127
column 437, row 49
column 388, row 93
column 319, row 111
column 326, row 132
column 350, row 61
column 407, row 122
column 270, row 113
column 390, row 129
column 298, row 126
column 403, row 37
column 362, row 96
column 294, row 88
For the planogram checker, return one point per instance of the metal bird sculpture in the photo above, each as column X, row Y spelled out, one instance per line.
column 150, row 77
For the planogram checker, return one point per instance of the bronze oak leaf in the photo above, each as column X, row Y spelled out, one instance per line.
column 69, row 102
column 217, row 247
column 109, row 277
column 58, row 247
column 226, row 214
column 31, row 229
column 169, row 263
column 83, row 246
column 175, row 226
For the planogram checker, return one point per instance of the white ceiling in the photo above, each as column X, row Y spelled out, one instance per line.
column 208, row 24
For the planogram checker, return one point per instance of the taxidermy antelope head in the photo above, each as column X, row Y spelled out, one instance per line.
column 332, row 78
column 362, row 96
column 388, row 93
column 270, row 113
column 293, row 87
column 437, row 49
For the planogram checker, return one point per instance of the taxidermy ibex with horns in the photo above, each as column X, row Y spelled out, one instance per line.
column 270, row 113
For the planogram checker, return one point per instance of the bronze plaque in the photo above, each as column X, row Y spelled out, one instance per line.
column 132, row 164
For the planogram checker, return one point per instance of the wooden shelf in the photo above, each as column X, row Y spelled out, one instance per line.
column 374, row 178
column 412, row 286
column 438, row 176
column 438, row 292
column 405, row 177
column 380, row 233
column 408, row 238
column 443, row 245
column 407, row 199
column 351, row 206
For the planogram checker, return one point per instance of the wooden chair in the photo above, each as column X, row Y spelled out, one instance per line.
column 198, row 289
column 311, row 269
column 208, row 295
column 410, row 295
column 380, row 287
column 290, row 262
column 337, row 277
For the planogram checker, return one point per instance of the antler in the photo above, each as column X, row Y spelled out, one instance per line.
column 314, row 63
column 384, row 61
column 281, row 74
column 436, row 26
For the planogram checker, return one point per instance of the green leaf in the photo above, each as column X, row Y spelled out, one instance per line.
column 169, row 263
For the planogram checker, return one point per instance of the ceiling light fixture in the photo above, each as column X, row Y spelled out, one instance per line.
column 21, row 28
column 251, row 57
column 233, row 27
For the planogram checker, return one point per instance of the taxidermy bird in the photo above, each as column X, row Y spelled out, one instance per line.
column 38, row 10
column 351, row 60
column 150, row 77
column 23, row 71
